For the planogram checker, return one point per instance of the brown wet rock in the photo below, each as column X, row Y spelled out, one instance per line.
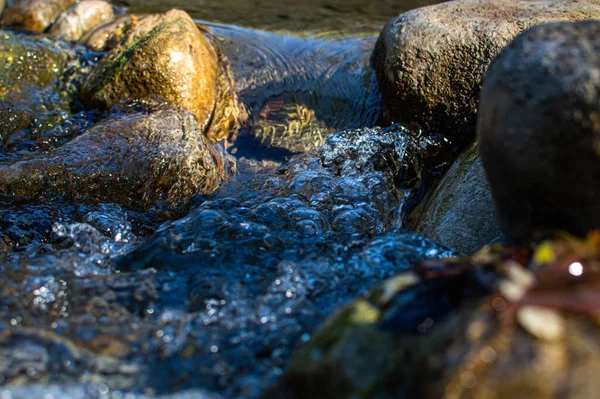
column 459, row 211
column 539, row 128
column 430, row 61
column 534, row 335
column 167, row 56
column 33, row 15
column 81, row 18
column 133, row 159
column 107, row 36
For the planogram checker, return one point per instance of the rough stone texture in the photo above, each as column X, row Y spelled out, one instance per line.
column 134, row 159
column 167, row 56
column 33, row 15
column 539, row 130
column 430, row 61
column 483, row 343
column 459, row 211
column 107, row 36
column 30, row 99
column 81, row 18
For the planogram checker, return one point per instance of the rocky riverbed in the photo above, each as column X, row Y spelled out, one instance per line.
column 192, row 209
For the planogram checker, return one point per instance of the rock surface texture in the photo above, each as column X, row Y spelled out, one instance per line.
column 459, row 211
column 33, row 15
column 430, row 61
column 106, row 37
column 133, row 159
column 539, row 130
column 166, row 56
column 81, row 18
column 30, row 100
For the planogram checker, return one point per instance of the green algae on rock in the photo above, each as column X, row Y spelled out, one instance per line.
column 33, row 15
column 167, row 56
column 459, row 211
column 430, row 61
column 133, row 159
column 539, row 129
column 31, row 99
column 514, row 331
column 81, row 18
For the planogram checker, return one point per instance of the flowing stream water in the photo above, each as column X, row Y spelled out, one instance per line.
column 100, row 301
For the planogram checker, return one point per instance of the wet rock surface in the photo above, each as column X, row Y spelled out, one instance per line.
column 539, row 124
column 81, row 18
column 166, row 56
column 430, row 61
column 107, row 36
column 33, row 15
column 507, row 321
column 31, row 99
column 136, row 159
column 459, row 211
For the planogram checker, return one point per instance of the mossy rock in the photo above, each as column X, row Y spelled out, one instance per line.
column 168, row 57
column 31, row 69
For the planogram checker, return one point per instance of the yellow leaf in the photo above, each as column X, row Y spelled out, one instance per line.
column 544, row 254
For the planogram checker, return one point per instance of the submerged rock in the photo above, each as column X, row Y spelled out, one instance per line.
column 33, row 15
column 459, row 211
column 539, row 127
column 470, row 328
column 133, row 159
column 430, row 61
column 81, row 18
column 300, row 90
column 167, row 56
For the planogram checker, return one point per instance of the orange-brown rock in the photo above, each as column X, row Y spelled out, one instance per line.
column 81, row 18
column 33, row 15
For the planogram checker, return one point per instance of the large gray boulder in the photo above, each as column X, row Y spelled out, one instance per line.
column 539, row 130
column 430, row 61
column 459, row 211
